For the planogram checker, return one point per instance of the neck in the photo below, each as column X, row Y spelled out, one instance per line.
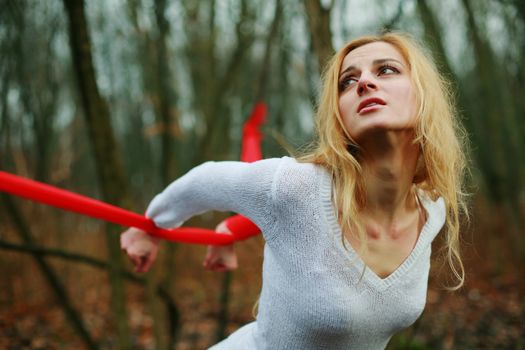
column 389, row 160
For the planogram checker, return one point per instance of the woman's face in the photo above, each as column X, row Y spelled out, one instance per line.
column 375, row 91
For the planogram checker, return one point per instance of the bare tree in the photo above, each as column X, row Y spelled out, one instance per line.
column 212, row 85
column 107, row 156
column 319, row 25
column 503, row 173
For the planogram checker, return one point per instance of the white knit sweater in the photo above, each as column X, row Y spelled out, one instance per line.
column 312, row 295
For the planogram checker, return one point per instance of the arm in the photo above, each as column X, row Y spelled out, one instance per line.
column 142, row 248
column 243, row 188
column 233, row 186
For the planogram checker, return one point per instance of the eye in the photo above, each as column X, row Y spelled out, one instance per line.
column 387, row 70
column 346, row 82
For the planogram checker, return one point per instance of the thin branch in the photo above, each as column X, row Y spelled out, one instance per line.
column 173, row 313
column 79, row 258
column 57, row 253
column 265, row 69
column 390, row 24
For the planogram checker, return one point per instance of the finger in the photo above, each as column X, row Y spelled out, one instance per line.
column 147, row 264
column 135, row 261
column 211, row 263
column 219, row 268
column 208, row 256
column 222, row 228
column 209, row 266
column 141, row 262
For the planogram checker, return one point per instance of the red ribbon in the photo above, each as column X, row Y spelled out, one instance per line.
column 40, row 192
column 251, row 136
column 242, row 227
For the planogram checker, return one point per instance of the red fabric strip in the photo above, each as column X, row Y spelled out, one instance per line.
column 240, row 226
column 46, row 194
column 251, row 136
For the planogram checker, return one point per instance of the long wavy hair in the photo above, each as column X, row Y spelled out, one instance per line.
column 442, row 165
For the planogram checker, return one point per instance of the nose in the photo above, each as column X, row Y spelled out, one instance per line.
column 365, row 84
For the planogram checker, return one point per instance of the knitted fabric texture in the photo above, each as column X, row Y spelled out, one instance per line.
column 314, row 293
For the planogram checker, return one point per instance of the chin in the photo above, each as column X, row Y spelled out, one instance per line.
column 379, row 123
column 380, row 130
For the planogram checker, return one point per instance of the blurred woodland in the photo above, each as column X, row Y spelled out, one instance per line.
column 114, row 99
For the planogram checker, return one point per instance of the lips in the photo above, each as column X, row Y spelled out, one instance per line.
column 369, row 102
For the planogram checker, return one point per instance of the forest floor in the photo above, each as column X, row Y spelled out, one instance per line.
column 487, row 313
column 481, row 317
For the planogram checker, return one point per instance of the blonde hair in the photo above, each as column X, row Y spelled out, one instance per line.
column 438, row 132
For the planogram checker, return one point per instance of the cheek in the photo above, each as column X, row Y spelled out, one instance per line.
column 408, row 100
column 412, row 103
column 345, row 111
column 345, row 107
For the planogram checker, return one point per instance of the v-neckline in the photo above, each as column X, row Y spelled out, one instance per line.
column 425, row 237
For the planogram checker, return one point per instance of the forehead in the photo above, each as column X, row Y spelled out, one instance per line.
column 366, row 54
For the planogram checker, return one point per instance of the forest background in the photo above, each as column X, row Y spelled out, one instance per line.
column 114, row 99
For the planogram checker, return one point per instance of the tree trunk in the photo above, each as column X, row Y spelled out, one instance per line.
column 319, row 26
column 213, row 140
column 37, row 85
column 262, row 82
column 260, row 94
column 503, row 135
column 491, row 159
column 475, row 125
column 222, row 321
column 168, row 119
column 159, row 84
column 107, row 157
column 166, row 96
column 281, row 101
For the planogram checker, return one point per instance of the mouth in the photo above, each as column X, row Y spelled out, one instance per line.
column 370, row 104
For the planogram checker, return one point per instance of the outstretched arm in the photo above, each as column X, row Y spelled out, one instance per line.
column 239, row 187
column 228, row 186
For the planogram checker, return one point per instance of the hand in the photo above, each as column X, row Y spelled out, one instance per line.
column 221, row 258
column 141, row 248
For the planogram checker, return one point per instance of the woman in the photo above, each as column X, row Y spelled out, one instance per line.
column 348, row 227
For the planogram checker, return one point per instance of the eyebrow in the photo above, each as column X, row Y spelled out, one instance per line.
column 374, row 63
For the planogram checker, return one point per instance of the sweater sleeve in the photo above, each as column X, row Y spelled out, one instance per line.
column 244, row 188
